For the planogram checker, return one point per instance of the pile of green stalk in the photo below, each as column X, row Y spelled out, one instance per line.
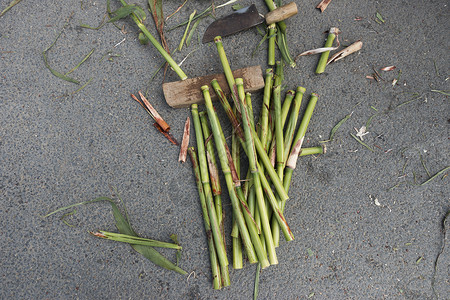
column 272, row 148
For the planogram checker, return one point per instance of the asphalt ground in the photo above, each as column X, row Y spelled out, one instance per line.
column 365, row 225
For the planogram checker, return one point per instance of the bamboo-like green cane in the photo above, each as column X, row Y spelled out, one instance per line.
column 125, row 238
column 213, row 170
column 265, row 106
column 324, row 56
column 271, row 47
column 292, row 123
column 298, row 141
column 236, row 241
column 252, row 158
column 271, row 6
column 259, row 148
column 278, row 123
column 313, row 150
column 243, row 230
column 215, row 228
column 217, row 282
column 284, row 113
column 216, row 189
column 157, row 45
column 227, row 71
column 288, row 137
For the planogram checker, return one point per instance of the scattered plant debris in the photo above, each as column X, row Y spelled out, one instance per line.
column 127, row 233
column 185, row 141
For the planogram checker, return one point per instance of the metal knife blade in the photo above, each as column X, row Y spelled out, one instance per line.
column 239, row 20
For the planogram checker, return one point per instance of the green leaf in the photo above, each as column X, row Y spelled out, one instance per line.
column 124, row 227
column 380, row 17
column 237, row 6
column 336, row 127
column 191, row 33
column 14, row 2
column 127, row 10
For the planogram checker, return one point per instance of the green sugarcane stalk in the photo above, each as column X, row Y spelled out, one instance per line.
column 266, row 105
column 236, row 241
column 216, row 189
column 260, row 149
column 284, row 113
column 134, row 240
column 251, row 153
column 324, row 56
column 217, row 281
column 278, row 121
column 227, row 71
column 291, row 163
column 215, row 228
column 271, row 48
column 288, row 137
column 235, row 202
column 157, row 45
column 313, row 150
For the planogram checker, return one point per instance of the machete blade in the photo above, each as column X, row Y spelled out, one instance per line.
column 241, row 19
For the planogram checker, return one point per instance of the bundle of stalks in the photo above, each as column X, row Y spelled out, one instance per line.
column 258, row 204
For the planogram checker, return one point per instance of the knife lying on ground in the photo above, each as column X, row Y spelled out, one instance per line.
column 246, row 18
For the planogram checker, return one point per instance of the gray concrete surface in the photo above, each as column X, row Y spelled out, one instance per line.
column 56, row 150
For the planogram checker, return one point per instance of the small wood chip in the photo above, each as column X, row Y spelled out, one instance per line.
column 185, row 141
column 386, row 69
column 166, row 134
column 323, row 5
column 154, row 113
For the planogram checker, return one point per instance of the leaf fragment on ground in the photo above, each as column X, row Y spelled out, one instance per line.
column 124, row 227
column 339, row 124
column 356, row 46
column 379, row 18
column 361, row 142
column 14, row 2
column 185, row 141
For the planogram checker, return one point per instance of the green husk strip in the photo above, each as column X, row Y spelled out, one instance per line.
column 191, row 33
column 157, row 45
column 47, row 65
column 282, row 45
column 81, row 62
column 180, row 46
column 227, row 71
column 243, row 230
column 14, row 2
column 124, row 227
column 278, row 123
column 324, row 56
column 271, row 47
column 118, row 237
column 436, row 175
column 361, row 142
column 252, row 158
column 215, row 228
column 237, row 249
column 217, row 282
column 271, row 6
column 256, row 288
column 339, row 124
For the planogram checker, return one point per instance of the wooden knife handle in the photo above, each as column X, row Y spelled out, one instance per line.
column 281, row 13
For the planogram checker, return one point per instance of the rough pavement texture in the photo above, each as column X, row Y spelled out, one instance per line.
column 363, row 229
